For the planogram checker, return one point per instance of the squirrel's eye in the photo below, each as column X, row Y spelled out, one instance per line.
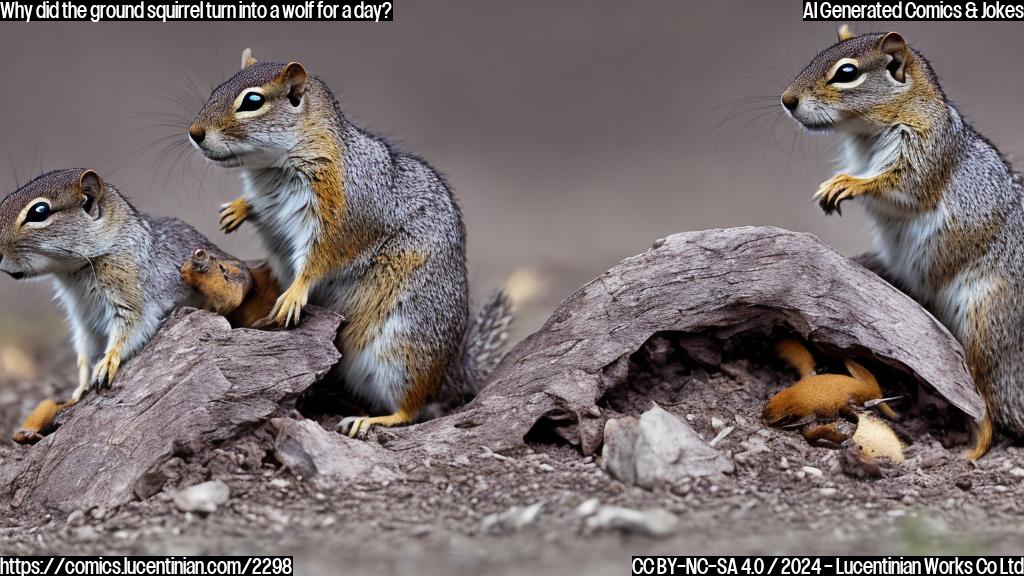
column 845, row 73
column 251, row 101
column 38, row 212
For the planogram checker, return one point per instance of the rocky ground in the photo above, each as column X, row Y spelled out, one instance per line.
column 666, row 360
column 548, row 509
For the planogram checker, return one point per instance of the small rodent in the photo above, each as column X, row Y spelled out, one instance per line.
column 241, row 292
column 353, row 226
column 831, row 408
column 116, row 270
column 821, row 396
column 944, row 205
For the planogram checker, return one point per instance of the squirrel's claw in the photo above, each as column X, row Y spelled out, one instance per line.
column 354, row 426
column 287, row 310
column 834, row 191
column 359, row 426
column 233, row 214
column 105, row 371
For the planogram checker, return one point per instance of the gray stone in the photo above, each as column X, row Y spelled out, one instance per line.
column 654, row 523
column 658, row 449
column 204, row 498
column 328, row 458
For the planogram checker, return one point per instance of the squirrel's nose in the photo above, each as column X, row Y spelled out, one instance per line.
column 197, row 133
column 790, row 101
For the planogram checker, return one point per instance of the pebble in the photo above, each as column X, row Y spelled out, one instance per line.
column 513, row 519
column 588, row 507
column 204, row 498
column 812, row 471
column 1017, row 472
column 654, row 523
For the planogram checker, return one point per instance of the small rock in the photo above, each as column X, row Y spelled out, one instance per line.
column 86, row 533
column 963, row 483
column 514, row 519
column 204, row 498
column 655, row 522
column 76, row 518
column 588, row 508
column 150, row 484
column 658, row 449
column 717, row 423
column 1017, row 472
column 328, row 458
column 783, row 463
column 812, row 471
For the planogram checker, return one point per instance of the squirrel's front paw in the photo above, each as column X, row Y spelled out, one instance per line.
column 105, row 371
column 288, row 308
column 835, row 190
column 233, row 214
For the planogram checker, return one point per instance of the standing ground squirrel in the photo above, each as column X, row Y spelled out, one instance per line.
column 944, row 205
column 356, row 227
column 116, row 271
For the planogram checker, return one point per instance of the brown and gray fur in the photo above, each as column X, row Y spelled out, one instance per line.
column 115, row 270
column 352, row 225
column 945, row 206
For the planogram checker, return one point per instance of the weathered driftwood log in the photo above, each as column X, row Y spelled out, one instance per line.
column 197, row 383
column 721, row 281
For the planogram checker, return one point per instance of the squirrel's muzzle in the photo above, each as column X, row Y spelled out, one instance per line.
column 15, row 275
column 790, row 101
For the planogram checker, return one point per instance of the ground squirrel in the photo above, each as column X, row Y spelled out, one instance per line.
column 821, row 395
column 356, row 227
column 116, row 271
column 244, row 293
column 944, row 204
column 833, row 410
column 241, row 292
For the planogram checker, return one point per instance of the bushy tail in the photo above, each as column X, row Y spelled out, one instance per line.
column 483, row 347
column 485, row 341
column 981, row 437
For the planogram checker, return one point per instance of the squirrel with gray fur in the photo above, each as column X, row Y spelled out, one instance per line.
column 946, row 209
column 356, row 227
column 116, row 271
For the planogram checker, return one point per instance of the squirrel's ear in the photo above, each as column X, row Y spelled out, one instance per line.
column 845, row 33
column 294, row 77
column 247, row 59
column 92, row 188
column 894, row 46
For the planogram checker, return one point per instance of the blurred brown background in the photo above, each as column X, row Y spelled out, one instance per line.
column 575, row 132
